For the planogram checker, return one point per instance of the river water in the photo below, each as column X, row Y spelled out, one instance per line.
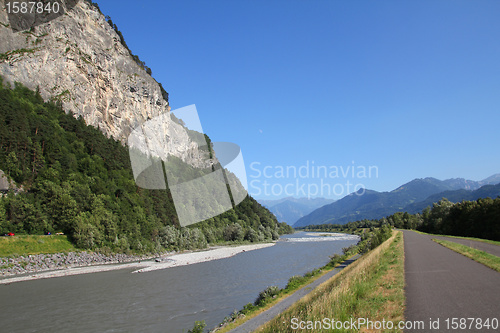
column 168, row 300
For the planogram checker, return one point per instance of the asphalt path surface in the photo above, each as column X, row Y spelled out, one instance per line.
column 442, row 284
column 486, row 247
column 259, row 320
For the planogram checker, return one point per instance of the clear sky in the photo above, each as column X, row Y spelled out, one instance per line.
column 409, row 88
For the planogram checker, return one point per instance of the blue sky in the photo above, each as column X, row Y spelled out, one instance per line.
column 409, row 87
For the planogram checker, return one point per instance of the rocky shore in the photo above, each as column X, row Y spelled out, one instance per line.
column 44, row 262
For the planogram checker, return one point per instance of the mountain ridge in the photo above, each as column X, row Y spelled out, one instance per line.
column 375, row 205
column 290, row 209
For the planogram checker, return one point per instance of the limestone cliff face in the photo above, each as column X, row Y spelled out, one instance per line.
column 78, row 59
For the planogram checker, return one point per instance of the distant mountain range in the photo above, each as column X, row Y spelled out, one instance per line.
column 412, row 197
column 290, row 209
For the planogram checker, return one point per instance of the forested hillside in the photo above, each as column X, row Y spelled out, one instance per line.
column 73, row 179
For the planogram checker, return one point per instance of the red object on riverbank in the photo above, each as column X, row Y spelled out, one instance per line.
column 10, row 234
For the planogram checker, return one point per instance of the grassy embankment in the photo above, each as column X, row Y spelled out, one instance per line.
column 372, row 288
column 30, row 244
column 482, row 257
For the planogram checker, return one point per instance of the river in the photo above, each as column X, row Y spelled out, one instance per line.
column 168, row 300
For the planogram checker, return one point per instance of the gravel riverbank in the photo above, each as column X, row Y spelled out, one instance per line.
column 43, row 266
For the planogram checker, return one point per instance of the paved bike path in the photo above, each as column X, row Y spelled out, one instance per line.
column 441, row 284
column 486, row 247
column 259, row 320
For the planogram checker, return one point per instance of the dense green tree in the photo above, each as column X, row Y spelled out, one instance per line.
column 4, row 224
column 480, row 218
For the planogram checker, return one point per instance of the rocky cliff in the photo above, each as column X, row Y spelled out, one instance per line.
column 78, row 59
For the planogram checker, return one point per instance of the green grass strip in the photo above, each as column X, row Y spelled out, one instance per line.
column 482, row 257
column 475, row 239
column 488, row 241
column 31, row 244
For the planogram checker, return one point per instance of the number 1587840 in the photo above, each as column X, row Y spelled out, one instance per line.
column 32, row 7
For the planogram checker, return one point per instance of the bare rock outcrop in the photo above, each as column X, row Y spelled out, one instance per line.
column 79, row 60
